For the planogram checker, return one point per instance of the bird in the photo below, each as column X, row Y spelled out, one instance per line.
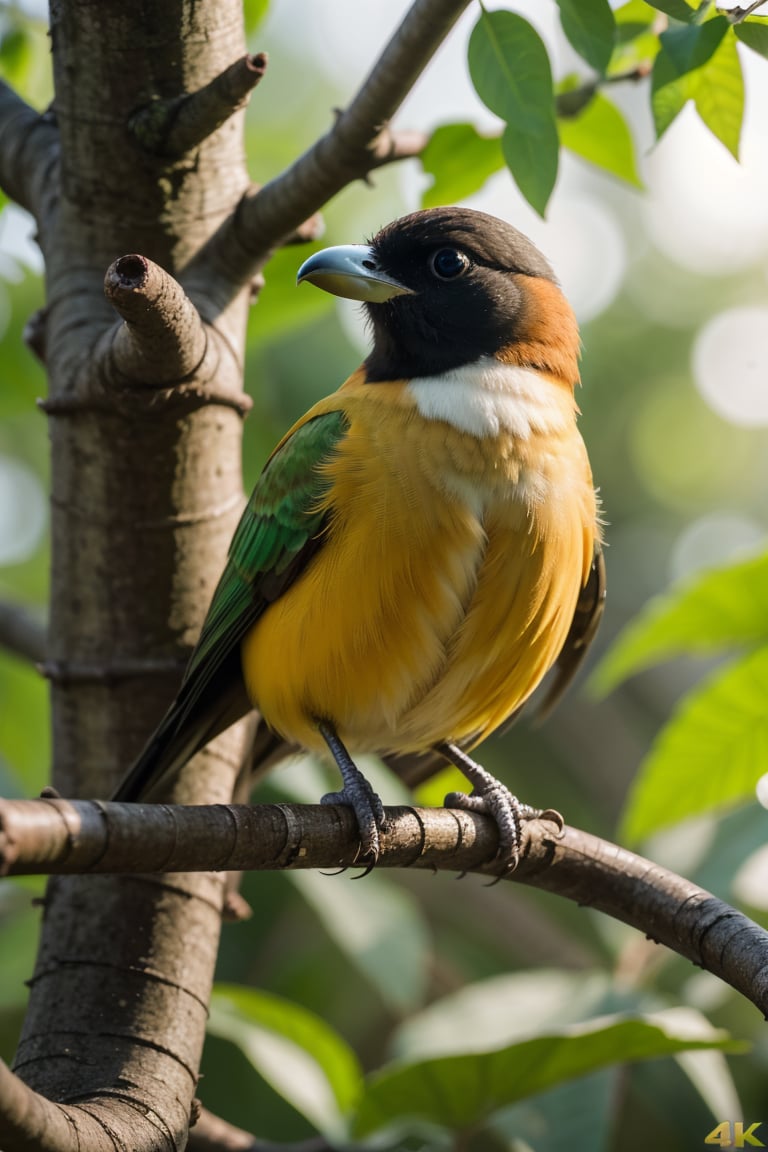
column 424, row 545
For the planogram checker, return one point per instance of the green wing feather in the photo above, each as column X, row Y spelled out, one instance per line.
column 281, row 528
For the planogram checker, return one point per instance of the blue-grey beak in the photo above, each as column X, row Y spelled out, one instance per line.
column 352, row 271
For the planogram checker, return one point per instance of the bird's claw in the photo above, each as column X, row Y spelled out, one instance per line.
column 493, row 798
column 358, row 795
column 509, row 813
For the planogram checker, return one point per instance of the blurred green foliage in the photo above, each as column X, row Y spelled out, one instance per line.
column 715, row 748
column 350, row 1005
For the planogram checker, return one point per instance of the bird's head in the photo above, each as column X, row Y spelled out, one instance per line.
column 448, row 286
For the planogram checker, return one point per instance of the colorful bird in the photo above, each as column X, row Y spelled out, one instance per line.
column 423, row 545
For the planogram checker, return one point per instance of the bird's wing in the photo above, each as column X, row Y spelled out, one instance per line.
column 586, row 620
column 280, row 530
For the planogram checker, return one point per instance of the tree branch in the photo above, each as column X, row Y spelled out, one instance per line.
column 163, row 339
column 737, row 15
column 29, row 152
column 61, row 836
column 359, row 141
column 173, row 127
column 31, row 1123
column 22, row 633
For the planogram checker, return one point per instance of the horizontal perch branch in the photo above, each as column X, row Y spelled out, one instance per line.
column 61, row 836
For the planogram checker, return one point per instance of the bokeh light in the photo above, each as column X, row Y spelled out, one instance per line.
column 750, row 883
column 713, row 540
column 729, row 364
column 17, row 243
column 761, row 791
column 23, row 511
column 706, row 211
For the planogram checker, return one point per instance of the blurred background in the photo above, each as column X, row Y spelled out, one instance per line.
column 669, row 284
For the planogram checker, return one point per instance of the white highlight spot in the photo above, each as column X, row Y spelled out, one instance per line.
column 761, row 791
column 17, row 243
column 706, row 211
column 23, row 511
column 750, row 884
column 729, row 365
column 577, row 230
column 713, row 540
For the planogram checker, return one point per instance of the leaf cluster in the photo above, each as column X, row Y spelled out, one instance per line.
column 689, row 53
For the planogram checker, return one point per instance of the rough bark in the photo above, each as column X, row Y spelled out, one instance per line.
column 146, row 491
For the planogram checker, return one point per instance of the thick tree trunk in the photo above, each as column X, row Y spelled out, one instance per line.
column 146, row 491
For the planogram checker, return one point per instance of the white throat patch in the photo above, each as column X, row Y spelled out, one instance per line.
column 487, row 397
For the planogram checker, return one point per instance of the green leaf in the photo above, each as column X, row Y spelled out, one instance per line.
column 533, row 161
column 295, row 1051
column 460, row 160
column 711, row 753
column 677, row 9
column 633, row 19
column 754, row 33
column 379, row 927
column 510, row 70
column 637, row 44
column 579, row 1115
column 600, row 134
column 254, row 12
column 700, row 63
column 501, row 1010
column 719, row 95
column 691, row 48
column 719, row 608
column 670, row 92
column 637, row 53
column 590, row 28
column 463, row 1091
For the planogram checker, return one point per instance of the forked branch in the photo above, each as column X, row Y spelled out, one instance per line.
column 359, row 141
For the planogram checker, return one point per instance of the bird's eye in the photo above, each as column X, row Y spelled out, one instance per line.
column 448, row 263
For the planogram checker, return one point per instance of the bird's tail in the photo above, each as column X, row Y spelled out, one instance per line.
column 190, row 723
column 167, row 751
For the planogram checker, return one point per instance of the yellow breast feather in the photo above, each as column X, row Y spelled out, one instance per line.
column 447, row 582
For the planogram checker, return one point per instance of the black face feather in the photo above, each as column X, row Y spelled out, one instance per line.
column 466, row 271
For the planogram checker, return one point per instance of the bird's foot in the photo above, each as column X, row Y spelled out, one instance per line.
column 493, row 798
column 356, row 794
